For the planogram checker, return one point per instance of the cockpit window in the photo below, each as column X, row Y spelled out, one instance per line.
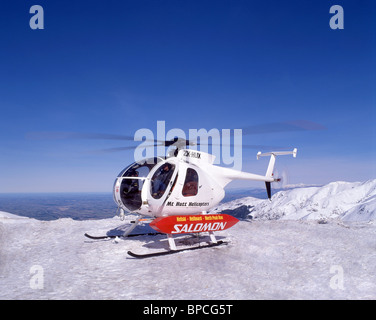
column 190, row 187
column 161, row 179
column 142, row 168
column 130, row 193
column 132, row 181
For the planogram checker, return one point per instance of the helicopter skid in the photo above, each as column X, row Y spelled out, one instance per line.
column 121, row 236
column 163, row 253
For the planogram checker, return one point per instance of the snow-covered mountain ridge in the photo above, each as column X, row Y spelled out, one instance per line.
column 348, row 201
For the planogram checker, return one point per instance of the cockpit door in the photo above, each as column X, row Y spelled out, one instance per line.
column 160, row 185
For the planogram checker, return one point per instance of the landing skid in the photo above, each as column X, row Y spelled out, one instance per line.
column 121, row 236
column 126, row 234
column 164, row 253
column 173, row 249
column 171, row 242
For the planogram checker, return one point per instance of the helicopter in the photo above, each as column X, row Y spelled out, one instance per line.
column 177, row 192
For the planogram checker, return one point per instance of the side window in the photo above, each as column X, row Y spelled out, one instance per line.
column 190, row 187
column 161, row 179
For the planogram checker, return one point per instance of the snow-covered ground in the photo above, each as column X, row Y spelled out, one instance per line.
column 348, row 201
column 265, row 259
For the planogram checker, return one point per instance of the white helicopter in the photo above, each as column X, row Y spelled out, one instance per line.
column 179, row 190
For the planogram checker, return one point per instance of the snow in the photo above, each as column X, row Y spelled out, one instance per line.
column 348, row 201
column 294, row 257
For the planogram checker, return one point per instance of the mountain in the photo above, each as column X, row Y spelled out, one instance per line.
column 348, row 201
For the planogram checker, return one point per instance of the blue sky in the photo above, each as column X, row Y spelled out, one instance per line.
column 118, row 66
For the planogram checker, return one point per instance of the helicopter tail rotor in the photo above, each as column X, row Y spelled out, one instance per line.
column 281, row 178
column 269, row 171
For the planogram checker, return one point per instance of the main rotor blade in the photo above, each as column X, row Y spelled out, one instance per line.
column 262, row 147
column 61, row 135
column 117, row 149
column 248, row 146
column 288, row 126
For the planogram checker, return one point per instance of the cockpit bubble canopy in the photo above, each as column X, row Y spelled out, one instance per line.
column 141, row 168
column 132, row 180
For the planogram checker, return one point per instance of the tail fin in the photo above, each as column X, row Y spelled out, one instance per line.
column 268, row 190
column 269, row 171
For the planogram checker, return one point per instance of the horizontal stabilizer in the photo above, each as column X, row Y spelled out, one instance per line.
column 277, row 153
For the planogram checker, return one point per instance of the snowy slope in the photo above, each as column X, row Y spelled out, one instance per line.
column 349, row 201
column 265, row 259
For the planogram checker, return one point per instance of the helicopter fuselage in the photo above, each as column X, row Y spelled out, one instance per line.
column 178, row 185
column 187, row 183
